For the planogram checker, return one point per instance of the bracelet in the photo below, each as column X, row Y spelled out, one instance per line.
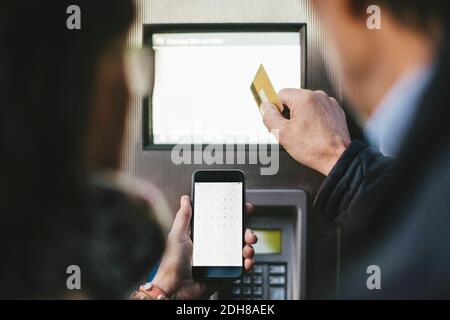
column 149, row 291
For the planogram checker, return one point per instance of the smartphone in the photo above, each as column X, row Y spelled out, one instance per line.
column 217, row 227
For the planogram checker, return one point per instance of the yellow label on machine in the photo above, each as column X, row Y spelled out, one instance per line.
column 263, row 90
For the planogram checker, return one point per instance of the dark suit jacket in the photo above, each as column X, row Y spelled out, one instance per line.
column 395, row 214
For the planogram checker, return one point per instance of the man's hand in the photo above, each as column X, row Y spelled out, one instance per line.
column 317, row 134
column 174, row 275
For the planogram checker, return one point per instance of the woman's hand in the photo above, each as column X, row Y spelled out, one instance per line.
column 174, row 275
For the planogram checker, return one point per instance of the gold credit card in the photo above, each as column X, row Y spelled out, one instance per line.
column 263, row 90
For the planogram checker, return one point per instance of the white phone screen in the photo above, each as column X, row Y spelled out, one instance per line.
column 218, row 224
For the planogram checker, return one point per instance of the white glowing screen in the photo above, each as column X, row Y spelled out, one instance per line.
column 202, row 84
column 218, row 223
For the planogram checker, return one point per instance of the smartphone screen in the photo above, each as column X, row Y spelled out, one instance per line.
column 218, row 226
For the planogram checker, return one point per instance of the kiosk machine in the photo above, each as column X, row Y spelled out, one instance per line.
column 200, row 113
column 280, row 224
column 201, row 96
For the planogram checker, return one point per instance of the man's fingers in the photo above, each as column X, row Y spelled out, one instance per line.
column 334, row 102
column 296, row 98
column 323, row 97
column 272, row 118
column 183, row 217
column 250, row 237
column 289, row 97
column 286, row 96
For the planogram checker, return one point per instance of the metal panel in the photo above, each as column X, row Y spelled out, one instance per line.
column 287, row 198
column 173, row 180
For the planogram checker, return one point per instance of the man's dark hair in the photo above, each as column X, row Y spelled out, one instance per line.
column 51, row 214
column 420, row 14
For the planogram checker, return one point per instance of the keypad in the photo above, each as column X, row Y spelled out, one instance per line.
column 246, row 279
column 267, row 281
column 247, row 291
column 258, row 280
column 277, row 280
column 258, row 269
column 258, row 291
column 277, row 269
column 277, row 293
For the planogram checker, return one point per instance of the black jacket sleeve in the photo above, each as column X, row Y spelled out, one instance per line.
column 352, row 186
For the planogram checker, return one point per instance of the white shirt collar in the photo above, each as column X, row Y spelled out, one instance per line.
column 394, row 115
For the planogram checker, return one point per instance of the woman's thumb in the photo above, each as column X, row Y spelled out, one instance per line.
column 183, row 217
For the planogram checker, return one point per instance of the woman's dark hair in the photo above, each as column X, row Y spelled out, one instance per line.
column 51, row 214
